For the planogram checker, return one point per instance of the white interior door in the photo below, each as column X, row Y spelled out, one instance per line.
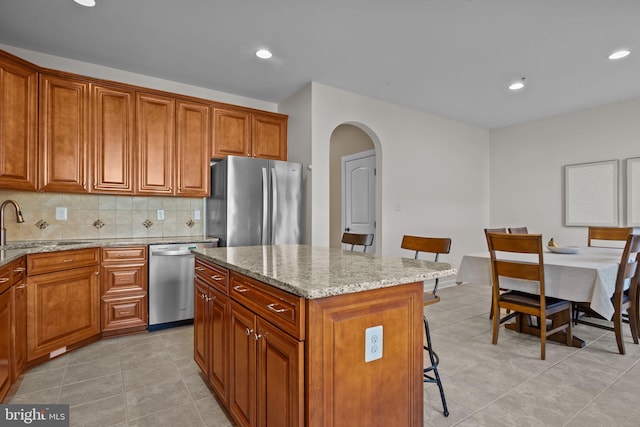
column 358, row 194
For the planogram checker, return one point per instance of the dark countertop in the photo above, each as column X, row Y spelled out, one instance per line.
column 14, row 250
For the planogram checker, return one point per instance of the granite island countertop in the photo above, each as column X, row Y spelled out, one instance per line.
column 14, row 250
column 317, row 272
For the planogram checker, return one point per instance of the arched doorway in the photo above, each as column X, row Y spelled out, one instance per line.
column 346, row 139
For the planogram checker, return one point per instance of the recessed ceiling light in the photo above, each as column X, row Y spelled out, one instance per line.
column 87, row 3
column 264, row 54
column 517, row 85
column 619, row 54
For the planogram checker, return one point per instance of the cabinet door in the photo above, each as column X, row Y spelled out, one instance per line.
column 63, row 134
column 5, row 343
column 18, row 125
column 155, row 120
column 193, row 139
column 280, row 378
column 232, row 133
column 242, row 366
column 219, row 347
column 269, row 136
column 19, row 328
column 63, row 308
column 201, row 326
column 112, row 138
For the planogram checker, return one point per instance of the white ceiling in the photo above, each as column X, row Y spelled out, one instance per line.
column 453, row 58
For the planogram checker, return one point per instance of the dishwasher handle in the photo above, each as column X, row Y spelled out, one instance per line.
column 171, row 253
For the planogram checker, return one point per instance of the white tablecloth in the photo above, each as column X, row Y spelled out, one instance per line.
column 588, row 276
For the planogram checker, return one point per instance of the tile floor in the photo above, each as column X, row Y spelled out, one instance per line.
column 151, row 379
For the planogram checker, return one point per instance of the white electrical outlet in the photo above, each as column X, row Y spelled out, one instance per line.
column 196, row 214
column 61, row 214
column 373, row 343
column 160, row 214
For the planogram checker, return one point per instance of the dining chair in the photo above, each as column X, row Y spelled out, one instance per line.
column 518, row 230
column 435, row 246
column 623, row 299
column 524, row 303
column 493, row 230
column 353, row 239
column 610, row 234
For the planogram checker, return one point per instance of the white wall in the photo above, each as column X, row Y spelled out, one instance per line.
column 433, row 173
column 100, row 72
column 298, row 107
column 526, row 164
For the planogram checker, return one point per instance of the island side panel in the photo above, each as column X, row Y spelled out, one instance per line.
column 344, row 390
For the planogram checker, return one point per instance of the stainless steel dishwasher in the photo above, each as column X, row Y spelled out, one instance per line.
column 171, row 287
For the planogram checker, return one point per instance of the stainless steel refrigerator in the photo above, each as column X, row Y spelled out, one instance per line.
column 255, row 202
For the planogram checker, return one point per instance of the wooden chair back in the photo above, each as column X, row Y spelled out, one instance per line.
column 609, row 233
column 628, row 266
column 354, row 239
column 518, row 230
column 431, row 245
column 517, row 243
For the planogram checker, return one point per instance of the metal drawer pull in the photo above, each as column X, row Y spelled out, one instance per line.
column 19, row 269
column 4, row 279
column 272, row 307
column 217, row 278
column 198, row 268
column 203, row 296
column 67, row 260
column 249, row 331
column 257, row 336
column 24, row 285
column 239, row 288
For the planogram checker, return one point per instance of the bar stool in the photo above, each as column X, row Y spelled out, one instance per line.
column 354, row 239
column 434, row 246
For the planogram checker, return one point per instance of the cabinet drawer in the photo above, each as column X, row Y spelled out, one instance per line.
column 281, row 308
column 216, row 276
column 124, row 312
column 19, row 271
column 138, row 253
column 63, row 260
column 120, row 278
column 5, row 278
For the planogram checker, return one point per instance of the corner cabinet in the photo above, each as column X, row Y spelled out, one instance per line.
column 63, row 301
column 18, row 124
column 64, row 132
column 249, row 133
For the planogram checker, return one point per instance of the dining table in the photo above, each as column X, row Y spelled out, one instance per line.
column 588, row 276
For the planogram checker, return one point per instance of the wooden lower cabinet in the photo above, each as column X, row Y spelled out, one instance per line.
column 63, row 305
column 211, row 317
column 5, row 342
column 124, row 290
column 315, row 373
column 19, row 324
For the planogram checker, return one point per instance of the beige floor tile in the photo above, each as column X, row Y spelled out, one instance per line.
column 105, row 412
column 90, row 390
column 148, row 375
column 96, row 368
column 155, row 398
column 40, row 381
column 212, row 413
column 184, row 416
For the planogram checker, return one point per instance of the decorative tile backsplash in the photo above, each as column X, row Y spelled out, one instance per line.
column 92, row 216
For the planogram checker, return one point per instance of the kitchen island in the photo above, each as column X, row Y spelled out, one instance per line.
column 298, row 335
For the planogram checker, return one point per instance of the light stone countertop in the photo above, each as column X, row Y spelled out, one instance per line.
column 14, row 250
column 317, row 272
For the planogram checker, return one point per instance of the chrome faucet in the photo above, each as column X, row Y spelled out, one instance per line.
column 19, row 219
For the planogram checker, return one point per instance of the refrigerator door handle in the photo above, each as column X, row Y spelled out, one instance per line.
column 265, row 206
column 274, row 204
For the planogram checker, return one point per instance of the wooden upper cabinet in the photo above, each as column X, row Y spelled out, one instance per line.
column 232, row 133
column 18, row 125
column 269, row 136
column 113, row 115
column 63, row 134
column 155, row 118
column 193, row 139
